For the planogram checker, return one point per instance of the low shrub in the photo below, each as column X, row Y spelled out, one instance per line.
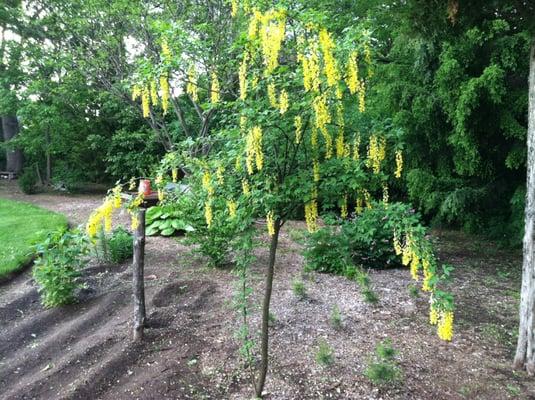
column 57, row 268
column 324, row 354
column 168, row 219
column 120, row 245
column 383, row 369
column 28, row 180
column 299, row 289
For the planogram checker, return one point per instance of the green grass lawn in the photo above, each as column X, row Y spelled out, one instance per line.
column 21, row 226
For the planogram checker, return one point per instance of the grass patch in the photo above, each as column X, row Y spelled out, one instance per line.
column 21, row 226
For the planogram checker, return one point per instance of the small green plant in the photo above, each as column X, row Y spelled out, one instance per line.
column 167, row 220
column 299, row 289
column 28, row 180
column 57, row 268
column 383, row 369
column 120, row 245
column 336, row 318
column 297, row 235
column 413, row 291
column 370, row 296
column 324, row 354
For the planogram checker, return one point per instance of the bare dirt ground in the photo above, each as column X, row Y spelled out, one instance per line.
column 84, row 351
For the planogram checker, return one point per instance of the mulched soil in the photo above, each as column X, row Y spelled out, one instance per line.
column 84, row 351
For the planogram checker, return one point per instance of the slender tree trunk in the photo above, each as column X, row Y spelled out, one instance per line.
column 265, row 311
column 10, row 128
column 138, row 280
column 48, row 171
column 525, row 351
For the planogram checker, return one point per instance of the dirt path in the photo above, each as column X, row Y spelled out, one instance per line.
column 84, row 351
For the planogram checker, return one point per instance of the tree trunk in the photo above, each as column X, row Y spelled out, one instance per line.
column 10, row 128
column 265, row 311
column 138, row 280
column 525, row 351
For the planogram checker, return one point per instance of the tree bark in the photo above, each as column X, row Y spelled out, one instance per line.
column 525, row 351
column 138, row 280
column 10, row 128
column 265, row 311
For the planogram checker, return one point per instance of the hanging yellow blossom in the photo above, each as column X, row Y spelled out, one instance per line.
column 367, row 199
column 272, row 95
column 327, row 47
column 385, row 194
column 253, row 150
column 245, row 187
column 397, row 244
column 311, row 215
column 132, row 184
column 208, row 215
column 160, row 195
column 328, row 142
column 159, row 179
column 191, row 85
column 316, row 170
column 283, row 101
column 445, row 326
column 232, row 208
column 117, row 201
column 270, row 220
column 153, row 93
column 214, row 89
column 145, row 102
column 399, row 164
column 272, row 31
column 415, row 263
column 164, row 86
column 343, row 208
column 298, row 123
column 376, row 153
column 136, row 92
column 233, row 8
column 426, row 284
column 220, row 174
column 311, row 68
column 321, row 111
column 207, row 182
column 362, row 97
column 166, row 51
column 134, row 222
column 242, row 76
column 253, row 25
column 174, row 174
column 243, row 124
column 352, row 79
column 433, row 315
column 340, row 145
column 356, row 146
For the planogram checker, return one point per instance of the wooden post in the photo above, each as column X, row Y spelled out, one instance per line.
column 138, row 278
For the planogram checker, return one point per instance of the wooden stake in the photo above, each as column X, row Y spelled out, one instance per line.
column 138, row 281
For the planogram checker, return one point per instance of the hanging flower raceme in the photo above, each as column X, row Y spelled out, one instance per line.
column 242, row 76
column 220, row 174
column 352, row 78
column 214, row 89
column 232, row 208
column 154, row 93
column 445, row 325
column 233, row 8
column 343, row 208
column 316, row 170
column 356, row 146
column 272, row 31
column 272, row 95
column 399, row 164
column 166, row 52
column 174, row 174
column 426, row 267
column 270, row 220
column 145, row 102
column 208, row 214
column 376, row 153
column 245, row 187
column 311, row 215
column 397, row 244
column 191, row 86
column 207, row 183
column 321, row 111
column 386, row 195
column 362, row 97
column 164, row 86
column 298, row 123
column 311, row 68
column 253, row 150
column 283, row 101
column 116, row 194
column 136, row 92
column 330, row 67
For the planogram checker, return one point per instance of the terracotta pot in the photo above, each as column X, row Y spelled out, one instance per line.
column 144, row 187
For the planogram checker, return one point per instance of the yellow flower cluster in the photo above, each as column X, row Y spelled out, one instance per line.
column 445, row 326
column 386, row 195
column 164, row 86
column 232, row 208
column 117, row 201
column 270, row 220
column 102, row 215
column 208, row 214
column 330, row 67
column 311, row 68
column 174, row 174
column 340, row 145
column 154, row 93
column 399, row 164
column 343, row 208
column 272, row 31
column 316, row 170
column 376, row 153
column 134, row 222
column 159, row 179
column 298, row 123
column 233, row 8
column 321, row 112
column 191, row 85
column 362, row 98
column 253, row 150
column 207, row 183
column 426, row 285
column 352, row 78
column 214, row 89
column 311, row 215
column 220, row 174
column 145, row 102
column 166, row 51
column 160, row 195
column 283, row 101
column 136, row 92
column 356, row 146
column 242, row 76
column 272, row 95
column 245, row 187
column 397, row 244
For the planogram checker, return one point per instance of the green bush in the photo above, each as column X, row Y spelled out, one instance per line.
column 120, row 245
column 383, row 369
column 299, row 289
column 28, row 180
column 327, row 251
column 57, row 268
